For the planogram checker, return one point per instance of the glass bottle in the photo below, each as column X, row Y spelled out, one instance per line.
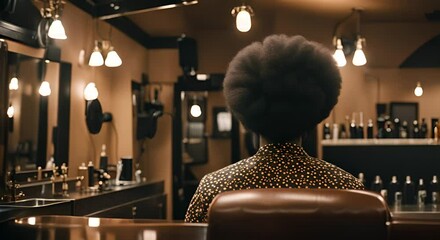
column 327, row 134
column 393, row 191
column 404, row 130
column 377, row 185
column 370, row 128
column 421, row 192
column 423, row 129
column 416, row 129
column 434, row 191
column 409, row 191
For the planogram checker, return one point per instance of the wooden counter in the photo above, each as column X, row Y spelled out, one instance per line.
column 138, row 200
column 70, row 227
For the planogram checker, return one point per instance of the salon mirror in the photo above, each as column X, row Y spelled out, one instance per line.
column 38, row 124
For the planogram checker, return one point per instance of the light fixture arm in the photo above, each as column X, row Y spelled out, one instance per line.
column 338, row 24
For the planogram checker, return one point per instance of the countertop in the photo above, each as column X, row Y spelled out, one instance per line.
column 82, row 203
column 72, row 227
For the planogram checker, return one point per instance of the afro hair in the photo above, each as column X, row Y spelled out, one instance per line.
column 282, row 87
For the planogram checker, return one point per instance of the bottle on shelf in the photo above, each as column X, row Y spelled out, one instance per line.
column 404, row 130
column 388, row 133
column 396, row 129
column 380, row 127
column 343, row 133
column 347, row 126
column 394, row 191
column 103, row 159
column 435, row 132
column 362, row 179
column 360, row 127
column 370, row 129
column 90, row 174
column 409, row 191
column 353, row 128
column 376, row 185
column 327, row 134
column 421, row 192
column 335, row 131
column 434, row 191
column 423, row 129
column 416, row 129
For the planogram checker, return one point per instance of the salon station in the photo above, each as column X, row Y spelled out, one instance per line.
column 112, row 111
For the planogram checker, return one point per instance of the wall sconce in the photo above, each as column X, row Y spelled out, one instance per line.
column 45, row 89
column 51, row 11
column 101, row 48
column 346, row 46
column 418, row 91
column 94, row 115
column 90, row 92
column 242, row 16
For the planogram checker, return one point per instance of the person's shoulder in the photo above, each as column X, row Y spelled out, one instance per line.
column 345, row 178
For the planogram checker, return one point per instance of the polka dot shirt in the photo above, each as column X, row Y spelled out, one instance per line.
column 283, row 165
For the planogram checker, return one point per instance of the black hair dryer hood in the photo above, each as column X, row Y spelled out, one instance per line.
column 95, row 117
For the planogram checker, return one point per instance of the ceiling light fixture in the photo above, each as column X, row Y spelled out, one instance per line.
column 346, row 45
column 51, row 24
column 104, row 47
column 243, row 16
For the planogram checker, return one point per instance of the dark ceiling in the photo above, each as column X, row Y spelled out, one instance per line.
column 154, row 26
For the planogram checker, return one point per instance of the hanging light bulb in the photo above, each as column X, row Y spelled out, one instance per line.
column 196, row 110
column 44, row 89
column 418, row 91
column 243, row 20
column 13, row 84
column 359, row 58
column 56, row 30
column 96, row 58
column 90, row 92
column 11, row 111
column 339, row 55
column 113, row 59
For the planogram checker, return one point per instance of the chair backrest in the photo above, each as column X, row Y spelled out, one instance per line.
column 298, row 214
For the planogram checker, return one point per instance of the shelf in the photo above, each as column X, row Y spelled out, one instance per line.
column 380, row 142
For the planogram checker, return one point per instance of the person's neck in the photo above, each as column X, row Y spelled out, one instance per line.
column 265, row 141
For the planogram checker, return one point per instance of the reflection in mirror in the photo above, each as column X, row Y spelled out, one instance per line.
column 33, row 98
column 193, row 127
column 30, row 109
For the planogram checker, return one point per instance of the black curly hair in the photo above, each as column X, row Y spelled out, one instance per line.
column 282, row 87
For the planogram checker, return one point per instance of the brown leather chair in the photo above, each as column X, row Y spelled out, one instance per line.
column 298, row 214
column 313, row 214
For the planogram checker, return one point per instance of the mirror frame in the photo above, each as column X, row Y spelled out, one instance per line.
column 60, row 135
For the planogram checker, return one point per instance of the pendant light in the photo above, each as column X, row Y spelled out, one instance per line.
column 359, row 58
column 96, row 58
column 339, row 55
column 242, row 16
column 418, row 91
column 112, row 59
